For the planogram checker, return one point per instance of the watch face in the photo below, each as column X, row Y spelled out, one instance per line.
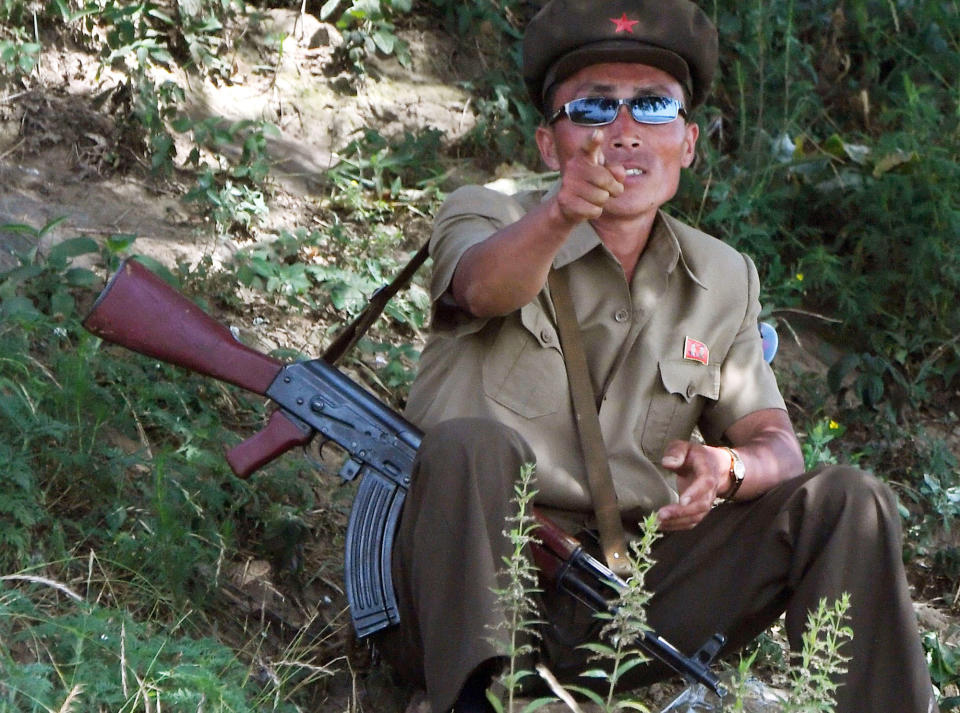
column 739, row 469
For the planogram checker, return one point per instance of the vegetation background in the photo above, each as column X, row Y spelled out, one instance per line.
column 278, row 164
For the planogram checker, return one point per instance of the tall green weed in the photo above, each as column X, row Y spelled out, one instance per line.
column 87, row 433
column 85, row 657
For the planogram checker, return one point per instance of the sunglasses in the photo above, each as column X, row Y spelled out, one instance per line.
column 599, row 111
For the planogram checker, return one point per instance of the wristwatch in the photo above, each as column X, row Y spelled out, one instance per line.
column 737, row 471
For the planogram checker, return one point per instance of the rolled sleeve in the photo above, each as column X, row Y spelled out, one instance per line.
column 469, row 216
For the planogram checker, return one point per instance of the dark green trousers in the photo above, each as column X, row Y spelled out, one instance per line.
column 816, row 536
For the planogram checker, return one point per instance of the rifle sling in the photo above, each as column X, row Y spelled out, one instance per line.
column 606, row 509
column 351, row 334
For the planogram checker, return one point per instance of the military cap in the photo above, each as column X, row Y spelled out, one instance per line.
column 567, row 35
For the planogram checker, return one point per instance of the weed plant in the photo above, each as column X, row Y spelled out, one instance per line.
column 813, row 672
column 619, row 653
column 814, row 678
column 517, row 598
column 75, row 654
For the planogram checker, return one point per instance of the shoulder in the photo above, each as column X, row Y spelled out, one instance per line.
column 480, row 201
column 707, row 257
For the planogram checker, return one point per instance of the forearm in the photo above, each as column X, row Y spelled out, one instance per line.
column 508, row 269
column 768, row 446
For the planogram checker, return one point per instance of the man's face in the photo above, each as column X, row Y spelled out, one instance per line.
column 652, row 154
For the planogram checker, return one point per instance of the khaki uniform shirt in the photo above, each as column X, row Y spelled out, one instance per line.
column 677, row 347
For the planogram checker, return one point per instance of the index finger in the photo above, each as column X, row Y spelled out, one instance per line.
column 593, row 147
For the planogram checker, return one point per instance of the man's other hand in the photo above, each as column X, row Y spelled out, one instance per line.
column 703, row 473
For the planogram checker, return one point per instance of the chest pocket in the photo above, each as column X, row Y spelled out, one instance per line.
column 524, row 370
column 675, row 409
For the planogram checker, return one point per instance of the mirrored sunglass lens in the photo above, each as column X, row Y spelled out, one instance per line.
column 654, row 110
column 592, row 111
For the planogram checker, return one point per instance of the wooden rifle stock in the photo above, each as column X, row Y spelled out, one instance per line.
column 140, row 311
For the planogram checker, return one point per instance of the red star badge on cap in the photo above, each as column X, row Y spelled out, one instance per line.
column 623, row 23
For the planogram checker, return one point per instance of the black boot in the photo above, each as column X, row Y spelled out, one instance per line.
column 473, row 695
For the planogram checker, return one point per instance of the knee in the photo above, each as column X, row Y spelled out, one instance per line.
column 469, row 466
column 472, row 444
column 847, row 489
column 469, row 434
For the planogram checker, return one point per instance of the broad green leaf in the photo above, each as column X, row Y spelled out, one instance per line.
column 627, row 665
column 596, row 673
column 587, row 693
column 893, row 160
column 494, row 701
column 71, row 248
column 835, row 147
column 119, row 242
column 385, row 41
column 537, row 704
column 18, row 306
column 20, row 228
column 20, row 274
column 50, row 225
column 62, row 302
column 80, row 277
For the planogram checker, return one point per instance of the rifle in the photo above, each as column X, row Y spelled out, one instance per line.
column 562, row 560
column 315, row 398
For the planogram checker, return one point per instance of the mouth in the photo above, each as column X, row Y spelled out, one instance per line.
column 635, row 171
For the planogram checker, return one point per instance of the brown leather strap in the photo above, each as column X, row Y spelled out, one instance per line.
column 351, row 334
column 606, row 510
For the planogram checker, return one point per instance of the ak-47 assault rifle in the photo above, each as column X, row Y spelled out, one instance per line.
column 139, row 311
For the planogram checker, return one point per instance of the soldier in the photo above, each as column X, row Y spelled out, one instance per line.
column 668, row 318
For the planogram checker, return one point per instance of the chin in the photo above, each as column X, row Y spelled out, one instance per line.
column 634, row 207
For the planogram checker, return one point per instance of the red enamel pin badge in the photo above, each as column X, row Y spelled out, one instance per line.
column 695, row 350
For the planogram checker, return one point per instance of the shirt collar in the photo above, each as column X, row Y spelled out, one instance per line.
column 664, row 245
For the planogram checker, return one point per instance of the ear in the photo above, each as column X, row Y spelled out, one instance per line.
column 689, row 150
column 547, row 143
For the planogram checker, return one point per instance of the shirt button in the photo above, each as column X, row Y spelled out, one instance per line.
column 622, row 315
column 545, row 335
column 691, row 391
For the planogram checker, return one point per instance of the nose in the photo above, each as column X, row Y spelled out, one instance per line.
column 624, row 132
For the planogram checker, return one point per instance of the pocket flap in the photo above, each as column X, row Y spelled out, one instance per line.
column 540, row 326
column 690, row 379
